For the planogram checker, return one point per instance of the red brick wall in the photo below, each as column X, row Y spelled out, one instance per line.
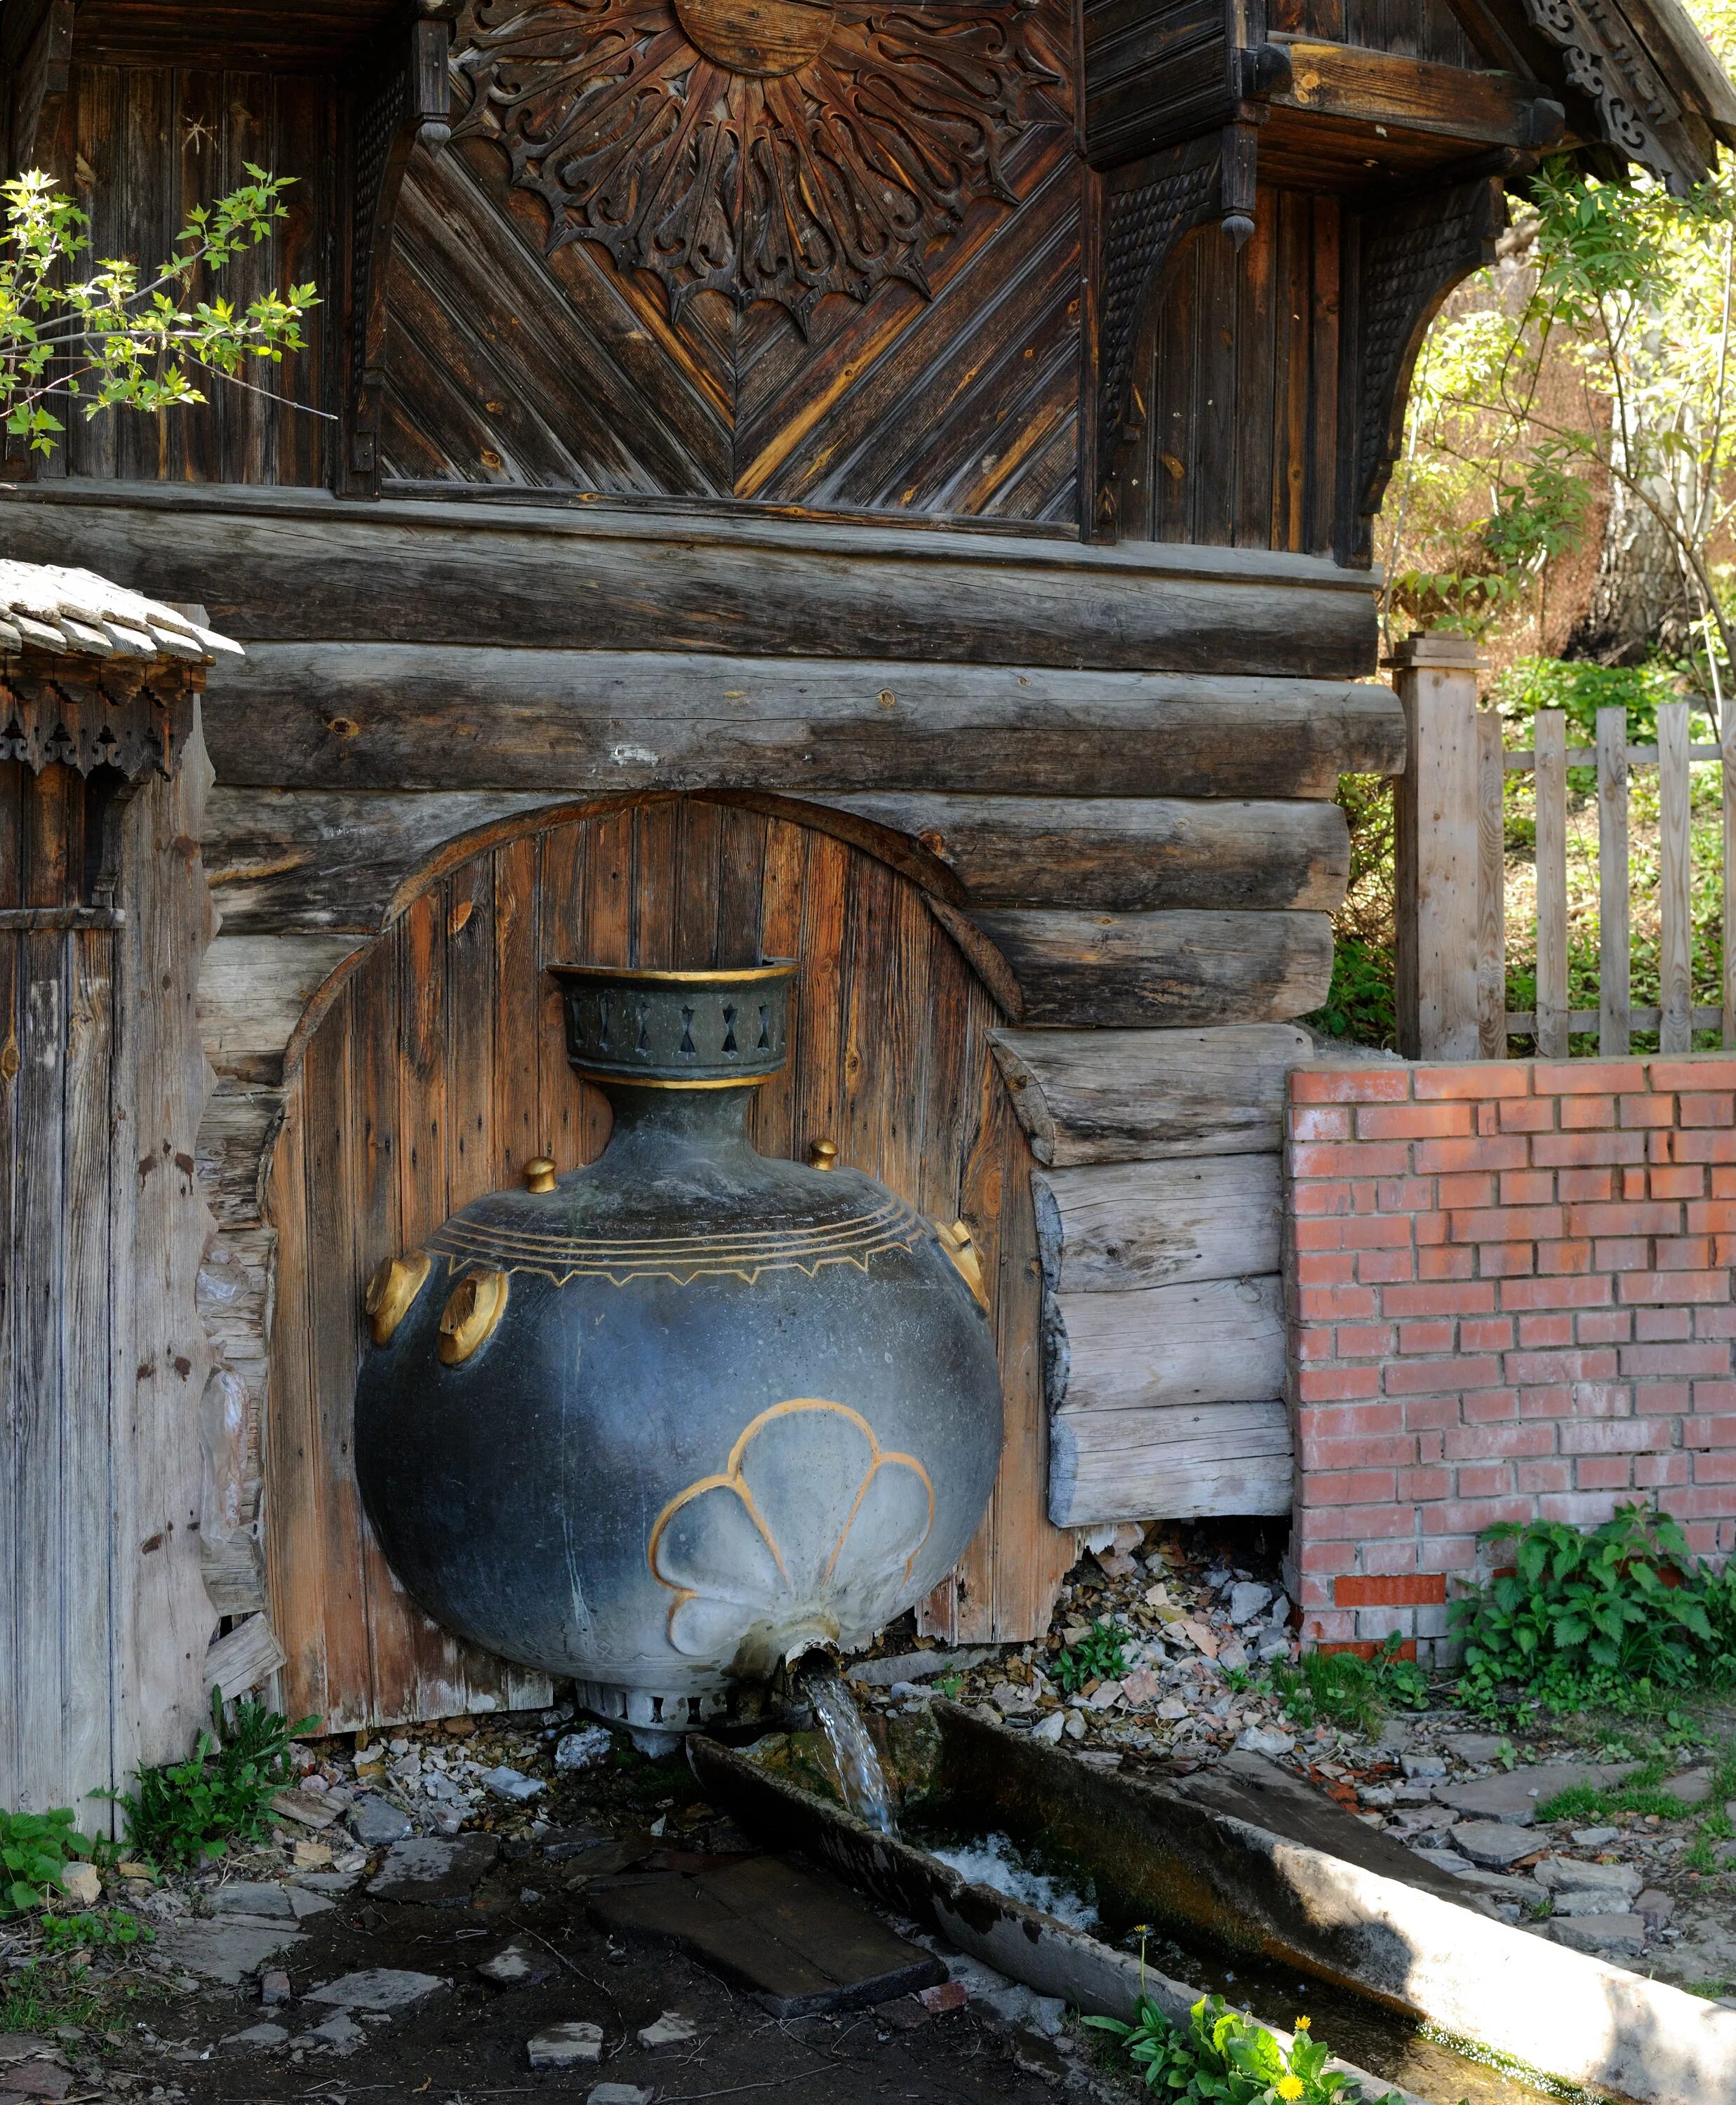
column 1511, row 1296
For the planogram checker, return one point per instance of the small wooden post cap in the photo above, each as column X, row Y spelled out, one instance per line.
column 540, row 1174
column 823, row 1155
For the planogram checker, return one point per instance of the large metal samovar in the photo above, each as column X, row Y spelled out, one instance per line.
column 666, row 1423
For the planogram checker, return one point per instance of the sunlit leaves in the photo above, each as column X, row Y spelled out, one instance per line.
column 113, row 338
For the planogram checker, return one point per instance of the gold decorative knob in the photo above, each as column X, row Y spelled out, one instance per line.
column 471, row 1316
column 540, row 1174
column 392, row 1291
column 960, row 1245
column 823, row 1155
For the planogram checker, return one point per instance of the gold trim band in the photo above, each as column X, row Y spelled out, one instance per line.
column 730, row 975
column 647, row 1082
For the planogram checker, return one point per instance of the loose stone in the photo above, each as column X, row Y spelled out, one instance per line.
column 254, row 2040
column 586, row 1749
column 576, row 2045
column 671, row 2029
column 375, row 1821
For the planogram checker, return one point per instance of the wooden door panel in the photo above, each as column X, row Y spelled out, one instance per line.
column 439, row 1072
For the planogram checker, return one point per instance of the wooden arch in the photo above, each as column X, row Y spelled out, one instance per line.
column 436, row 1071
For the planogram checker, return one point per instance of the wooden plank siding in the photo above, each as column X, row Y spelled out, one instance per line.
column 1234, row 406
column 156, row 142
column 104, row 1624
column 438, row 1070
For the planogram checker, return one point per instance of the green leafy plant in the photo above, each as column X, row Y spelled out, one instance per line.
column 1343, row 1688
column 1614, row 1615
column 1223, row 2058
column 1099, row 1656
column 103, row 1928
column 35, row 1849
column 190, row 1811
column 118, row 339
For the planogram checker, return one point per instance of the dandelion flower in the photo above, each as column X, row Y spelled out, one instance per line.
column 1289, row 2087
column 1303, row 2023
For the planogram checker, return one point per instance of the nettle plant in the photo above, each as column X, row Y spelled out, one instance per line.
column 1615, row 1616
column 117, row 338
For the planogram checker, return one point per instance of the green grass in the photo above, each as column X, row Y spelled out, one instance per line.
column 1345, row 1689
column 1640, row 1797
column 34, row 2002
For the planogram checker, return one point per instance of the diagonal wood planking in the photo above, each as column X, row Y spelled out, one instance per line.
column 511, row 367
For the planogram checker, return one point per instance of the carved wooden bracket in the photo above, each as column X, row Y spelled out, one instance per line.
column 408, row 104
column 1638, row 114
column 1144, row 209
column 1398, row 267
column 135, row 722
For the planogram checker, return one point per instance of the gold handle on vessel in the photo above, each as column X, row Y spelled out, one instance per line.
column 471, row 1316
column 960, row 1246
column 540, row 1174
column 392, row 1291
column 823, row 1155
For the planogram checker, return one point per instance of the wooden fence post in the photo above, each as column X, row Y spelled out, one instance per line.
column 1437, row 947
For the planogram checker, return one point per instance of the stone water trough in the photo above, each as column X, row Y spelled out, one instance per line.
column 1233, row 1867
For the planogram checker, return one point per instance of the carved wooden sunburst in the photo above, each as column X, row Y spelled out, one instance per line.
column 767, row 150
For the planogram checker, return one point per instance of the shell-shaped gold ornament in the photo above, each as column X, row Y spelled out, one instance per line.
column 392, row 1290
column 960, row 1246
column 471, row 1316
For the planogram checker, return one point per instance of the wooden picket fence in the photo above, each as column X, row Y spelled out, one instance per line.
column 1615, row 1019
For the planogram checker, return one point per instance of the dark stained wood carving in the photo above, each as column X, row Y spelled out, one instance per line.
column 1638, row 114
column 52, row 714
column 407, row 106
column 767, row 150
column 1406, row 262
column 1145, row 210
column 439, row 1070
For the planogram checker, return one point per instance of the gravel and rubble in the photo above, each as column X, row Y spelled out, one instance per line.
column 416, row 1863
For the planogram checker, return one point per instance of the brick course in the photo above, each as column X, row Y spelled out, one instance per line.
column 1510, row 1297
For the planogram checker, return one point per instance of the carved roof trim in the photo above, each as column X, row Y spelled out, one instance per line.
column 77, row 614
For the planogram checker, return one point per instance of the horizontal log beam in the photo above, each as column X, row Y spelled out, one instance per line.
column 1232, row 1457
column 282, row 565
column 1113, row 970
column 260, row 995
column 1208, row 1341
column 311, row 859
column 589, row 723
column 1144, row 1096
column 1387, row 88
column 1126, row 855
column 1120, row 1228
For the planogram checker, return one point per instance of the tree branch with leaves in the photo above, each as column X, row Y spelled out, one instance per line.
column 119, row 338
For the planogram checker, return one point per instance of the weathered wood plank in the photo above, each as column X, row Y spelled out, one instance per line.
column 167, row 1359
column 285, row 565
column 1114, row 970
column 1116, row 1465
column 1118, row 1228
column 13, row 779
column 285, row 861
column 255, row 991
column 1126, row 856
column 1614, row 938
column 1551, row 868
column 1207, row 1341
column 1491, row 890
column 597, row 723
column 1675, row 881
column 1382, row 88
column 1146, row 1095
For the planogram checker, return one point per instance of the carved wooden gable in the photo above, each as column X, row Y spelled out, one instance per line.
column 820, row 253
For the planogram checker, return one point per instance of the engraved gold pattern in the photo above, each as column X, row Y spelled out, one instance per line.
column 708, row 975
column 392, row 1290
column 742, row 1255
column 732, row 1478
column 471, row 1316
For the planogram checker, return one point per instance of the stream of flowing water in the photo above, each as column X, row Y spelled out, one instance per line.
column 860, row 1775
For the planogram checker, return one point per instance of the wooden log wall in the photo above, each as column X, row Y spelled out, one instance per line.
column 1157, row 1210
column 438, row 1068
column 104, row 1622
column 1125, row 830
